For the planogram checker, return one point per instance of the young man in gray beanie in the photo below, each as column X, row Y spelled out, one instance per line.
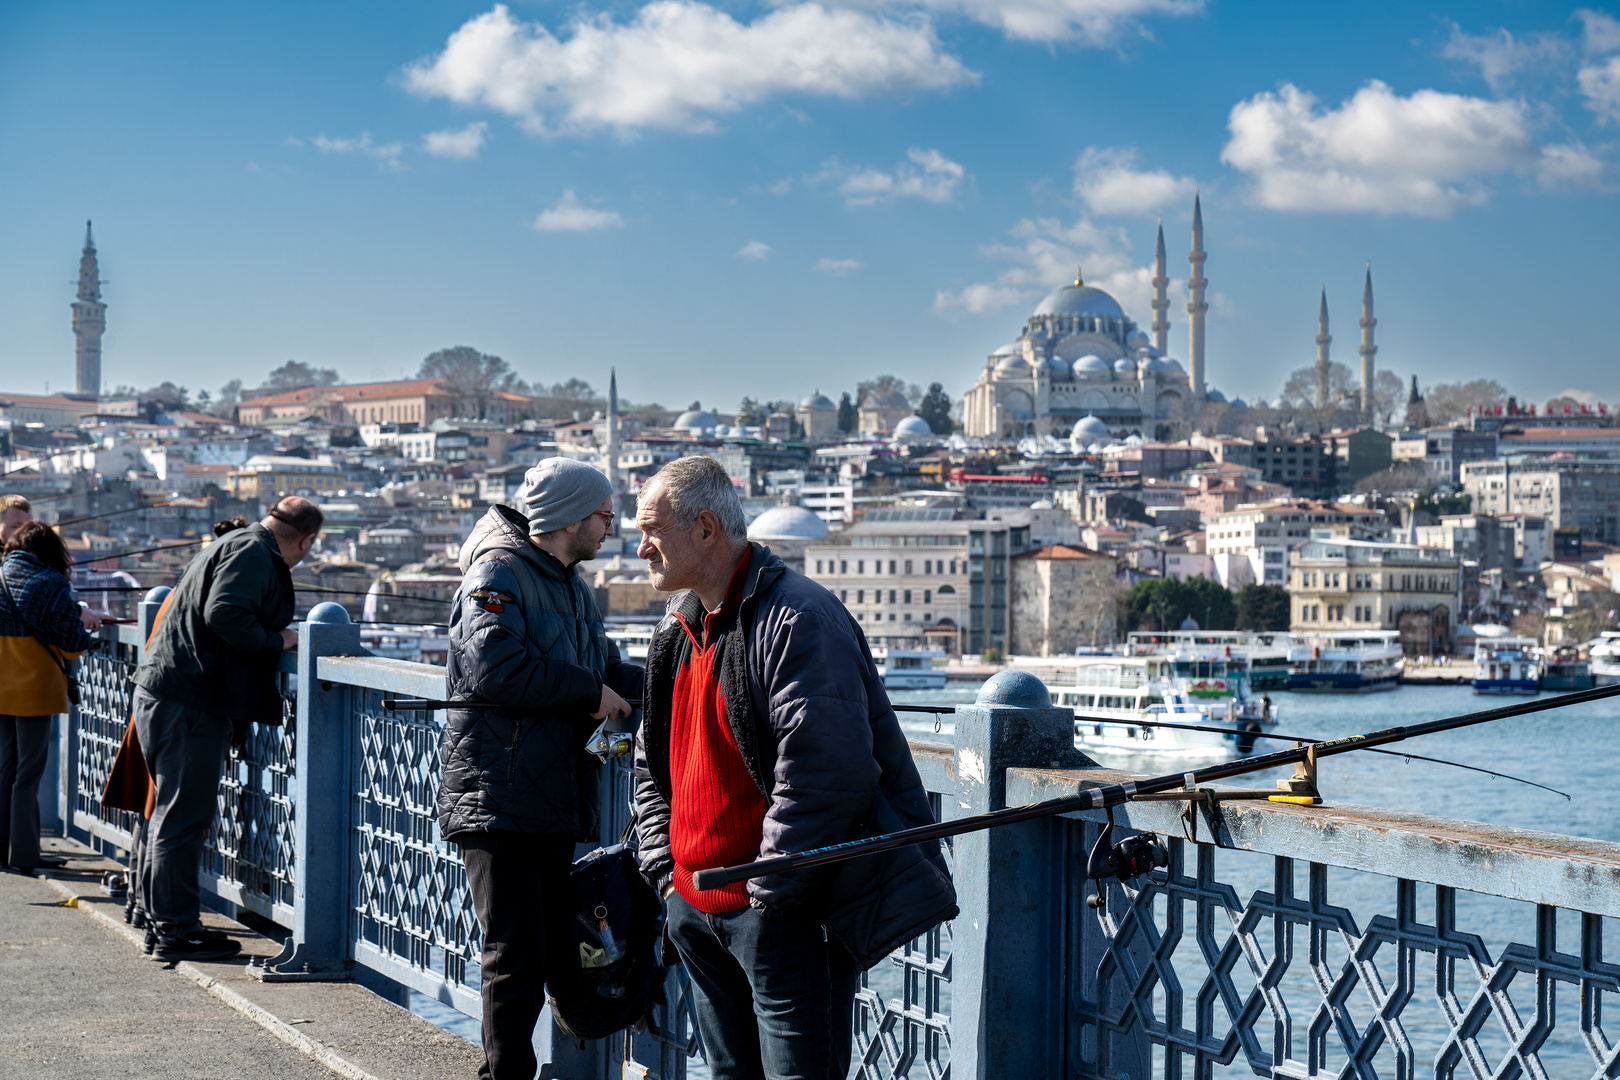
column 517, row 788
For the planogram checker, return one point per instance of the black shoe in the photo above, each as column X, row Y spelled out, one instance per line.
column 150, row 943
column 195, row 946
column 137, row 918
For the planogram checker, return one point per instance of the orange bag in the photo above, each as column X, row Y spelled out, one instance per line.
column 129, row 783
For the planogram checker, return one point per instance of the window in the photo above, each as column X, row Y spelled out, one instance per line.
column 843, row 594
column 891, row 596
column 843, row 566
column 908, row 566
column 906, row 598
column 891, row 616
column 818, row 566
column 860, row 596
column 928, row 596
column 928, row 566
column 860, row 566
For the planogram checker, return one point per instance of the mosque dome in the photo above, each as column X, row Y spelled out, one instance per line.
column 1091, row 366
column 698, row 419
column 1059, row 369
column 1079, row 299
column 1012, row 364
column 1215, row 395
column 1133, row 440
column 1124, row 366
column 1136, row 339
column 914, row 427
column 1089, row 427
column 1173, row 365
column 787, row 523
column 1239, row 403
column 817, row 400
column 1012, row 348
column 1041, row 504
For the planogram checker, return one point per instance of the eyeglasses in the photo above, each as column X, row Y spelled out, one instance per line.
column 606, row 515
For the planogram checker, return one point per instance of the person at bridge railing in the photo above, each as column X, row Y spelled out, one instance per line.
column 517, row 788
column 766, row 731
column 42, row 628
column 209, row 670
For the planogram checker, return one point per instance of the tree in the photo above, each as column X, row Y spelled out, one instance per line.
column 229, row 396
column 846, row 414
column 295, row 375
column 1164, row 603
column 750, row 413
column 166, row 395
column 1394, row 478
column 1389, row 396
column 1262, row 607
column 1433, row 502
column 204, row 400
column 468, row 371
column 576, row 389
column 1450, row 402
column 936, row 409
column 1322, row 399
column 1586, row 623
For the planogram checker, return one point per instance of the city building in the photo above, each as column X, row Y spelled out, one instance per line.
column 49, row 410
column 89, row 320
column 267, row 477
column 1586, row 443
column 1360, row 453
column 1308, row 467
column 1081, row 356
column 880, row 413
column 418, row 401
column 1251, row 543
column 1569, row 494
column 1063, row 598
column 818, row 416
column 1340, row 584
column 1441, row 452
column 1153, row 461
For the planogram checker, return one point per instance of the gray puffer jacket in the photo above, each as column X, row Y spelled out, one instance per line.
column 806, row 706
column 524, row 633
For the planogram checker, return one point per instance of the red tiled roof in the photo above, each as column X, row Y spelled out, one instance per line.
column 353, row 391
column 1059, row 551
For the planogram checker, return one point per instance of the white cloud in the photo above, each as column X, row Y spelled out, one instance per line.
column 1500, row 55
column 926, row 174
column 1107, row 179
column 1094, row 23
column 386, row 153
column 1600, row 85
column 1600, row 32
column 754, row 249
column 1571, row 166
column 678, row 64
column 838, row 267
column 1425, row 154
column 570, row 215
column 1045, row 254
column 456, row 143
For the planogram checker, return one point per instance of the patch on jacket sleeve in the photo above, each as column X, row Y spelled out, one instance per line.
column 492, row 600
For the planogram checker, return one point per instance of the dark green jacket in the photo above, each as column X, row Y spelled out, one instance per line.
column 216, row 648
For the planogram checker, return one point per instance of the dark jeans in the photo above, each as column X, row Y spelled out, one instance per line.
column 520, row 891
column 774, row 998
column 185, row 753
column 24, row 746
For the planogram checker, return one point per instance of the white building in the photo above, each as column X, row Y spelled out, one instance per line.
column 1343, row 584
column 1251, row 544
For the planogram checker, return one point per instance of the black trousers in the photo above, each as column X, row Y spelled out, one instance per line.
column 520, row 892
column 25, row 744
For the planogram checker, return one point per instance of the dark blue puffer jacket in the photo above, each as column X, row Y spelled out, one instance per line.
column 806, row 706
column 524, row 768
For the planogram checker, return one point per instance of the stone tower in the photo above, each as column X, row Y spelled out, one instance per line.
column 1195, row 303
column 1323, row 341
column 612, row 449
column 1161, row 298
column 89, row 319
column 1368, row 350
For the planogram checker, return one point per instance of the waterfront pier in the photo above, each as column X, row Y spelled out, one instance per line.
column 1281, row 940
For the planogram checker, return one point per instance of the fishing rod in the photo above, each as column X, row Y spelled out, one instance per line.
column 436, row 705
column 1494, row 774
column 1105, row 796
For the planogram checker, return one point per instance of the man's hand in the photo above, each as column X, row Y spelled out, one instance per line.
column 289, row 639
column 91, row 621
column 612, row 705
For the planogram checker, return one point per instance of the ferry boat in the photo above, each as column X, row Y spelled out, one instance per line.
column 1351, row 662
column 1563, row 669
column 1506, row 665
column 632, row 640
column 1265, row 650
column 1193, row 686
column 1605, row 654
column 909, row 669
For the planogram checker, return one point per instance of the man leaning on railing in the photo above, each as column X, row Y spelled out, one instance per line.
column 517, row 787
column 209, row 670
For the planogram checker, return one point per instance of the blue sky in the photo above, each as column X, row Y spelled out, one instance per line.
column 770, row 199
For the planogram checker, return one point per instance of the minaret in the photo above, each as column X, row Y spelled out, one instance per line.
column 89, row 319
column 1368, row 350
column 613, row 430
column 1195, row 303
column 1161, row 298
column 1323, row 340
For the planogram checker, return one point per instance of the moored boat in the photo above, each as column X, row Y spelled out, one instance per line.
column 1351, row 662
column 909, row 669
column 1506, row 665
column 1563, row 669
column 1605, row 654
column 1265, row 650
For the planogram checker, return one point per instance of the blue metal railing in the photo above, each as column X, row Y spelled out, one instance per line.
column 327, row 825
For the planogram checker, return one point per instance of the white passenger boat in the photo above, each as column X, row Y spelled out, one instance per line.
column 909, row 669
column 632, row 640
column 1506, row 665
column 1351, row 662
column 1265, row 650
column 1194, row 685
column 1605, row 654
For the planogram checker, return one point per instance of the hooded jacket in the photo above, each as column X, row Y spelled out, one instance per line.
column 525, row 633
column 218, row 646
column 31, row 681
column 806, row 706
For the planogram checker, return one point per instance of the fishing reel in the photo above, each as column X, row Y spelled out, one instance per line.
column 1130, row 858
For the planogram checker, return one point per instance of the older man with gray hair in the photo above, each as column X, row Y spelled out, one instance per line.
column 767, row 732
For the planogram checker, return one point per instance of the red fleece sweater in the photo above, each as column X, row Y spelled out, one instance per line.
column 717, row 814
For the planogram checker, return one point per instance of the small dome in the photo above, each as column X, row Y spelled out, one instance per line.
column 1173, row 365
column 1133, row 440
column 787, row 523
column 1215, row 395
column 1041, row 504
column 913, row 426
column 1137, row 338
column 696, row 420
column 1012, row 365
column 817, row 401
column 1058, row 369
column 1123, row 366
column 1239, row 403
column 1012, row 348
column 1091, row 366
column 1089, row 427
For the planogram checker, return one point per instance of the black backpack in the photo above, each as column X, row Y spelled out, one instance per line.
column 613, row 978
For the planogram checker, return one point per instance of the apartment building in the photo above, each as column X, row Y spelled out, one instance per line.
column 1251, row 543
column 1441, row 452
column 1569, row 494
column 1338, row 583
column 266, row 477
column 911, row 576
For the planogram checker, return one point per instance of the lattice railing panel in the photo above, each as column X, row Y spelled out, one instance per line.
column 105, row 693
column 1230, row 990
column 908, row 1035
column 251, row 843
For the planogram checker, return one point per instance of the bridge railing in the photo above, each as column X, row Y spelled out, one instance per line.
column 327, row 825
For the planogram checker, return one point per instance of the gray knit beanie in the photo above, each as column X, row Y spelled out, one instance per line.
column 559, row 492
